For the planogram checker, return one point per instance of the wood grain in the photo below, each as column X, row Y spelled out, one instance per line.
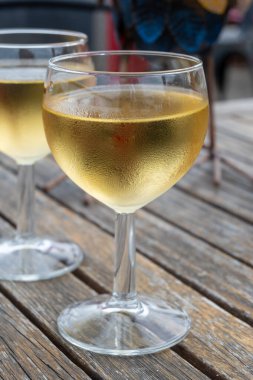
column 43, row 310
column 43, row 301
column 238, row 127
column 27, row 354
column 230, row 147
column 234, row 195
column 214, row 226
column 224, row 231
column 195, row 243
column 219, row 343
column 234, row 107
column 196, row 262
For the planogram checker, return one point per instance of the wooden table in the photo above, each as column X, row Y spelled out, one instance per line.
column 195, row 250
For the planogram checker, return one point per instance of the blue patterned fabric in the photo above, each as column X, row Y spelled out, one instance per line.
column 168, row 24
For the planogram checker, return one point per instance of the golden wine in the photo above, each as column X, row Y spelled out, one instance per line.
column 126, row 146
column 21, row 126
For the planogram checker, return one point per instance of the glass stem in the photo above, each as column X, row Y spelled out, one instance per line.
column 25, row 224
column 125, row 260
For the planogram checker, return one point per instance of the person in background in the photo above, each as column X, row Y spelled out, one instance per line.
column 170, row 25
column 188, row 26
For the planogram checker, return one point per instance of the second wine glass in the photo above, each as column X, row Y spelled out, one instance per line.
column 24, row 55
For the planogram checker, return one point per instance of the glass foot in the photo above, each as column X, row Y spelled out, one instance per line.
column 37, row 258
column 102, row 325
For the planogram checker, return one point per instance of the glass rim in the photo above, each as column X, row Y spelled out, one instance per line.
column 46, row 31
column 197, row 63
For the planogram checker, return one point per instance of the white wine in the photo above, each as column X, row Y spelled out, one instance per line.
column 127, row 145
column 21, row 126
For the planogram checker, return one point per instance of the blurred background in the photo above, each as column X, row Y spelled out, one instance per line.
column 232, row 52
column 89, row 16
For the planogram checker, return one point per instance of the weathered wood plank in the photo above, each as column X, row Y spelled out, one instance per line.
column 239, row 128
column 27, row 354
column 234, row 195
column 234, row 135
column 242, row 106
column 198, row 263
column 247, row 118
column 201, row 219
column 240, row 111
column 240, row 151
column 222, row 230
column 229, row 197
column 211, row 197
column 218, row 342
column 43, row 310
column 215, row 226
column 61, row 292
column 193, row 261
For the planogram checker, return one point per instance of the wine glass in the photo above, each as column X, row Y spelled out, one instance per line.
column 24, row 55
column 125, row 126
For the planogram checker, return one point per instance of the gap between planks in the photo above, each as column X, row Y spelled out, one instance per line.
column 26, row 349
column 214, row 205
column 193, row 285
column 185, row 355
column 189, row 358
column 89, row 281
column 9, row 165
column 148, row 210
column 191, row 233
column 26, row 312
column 208, row 368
